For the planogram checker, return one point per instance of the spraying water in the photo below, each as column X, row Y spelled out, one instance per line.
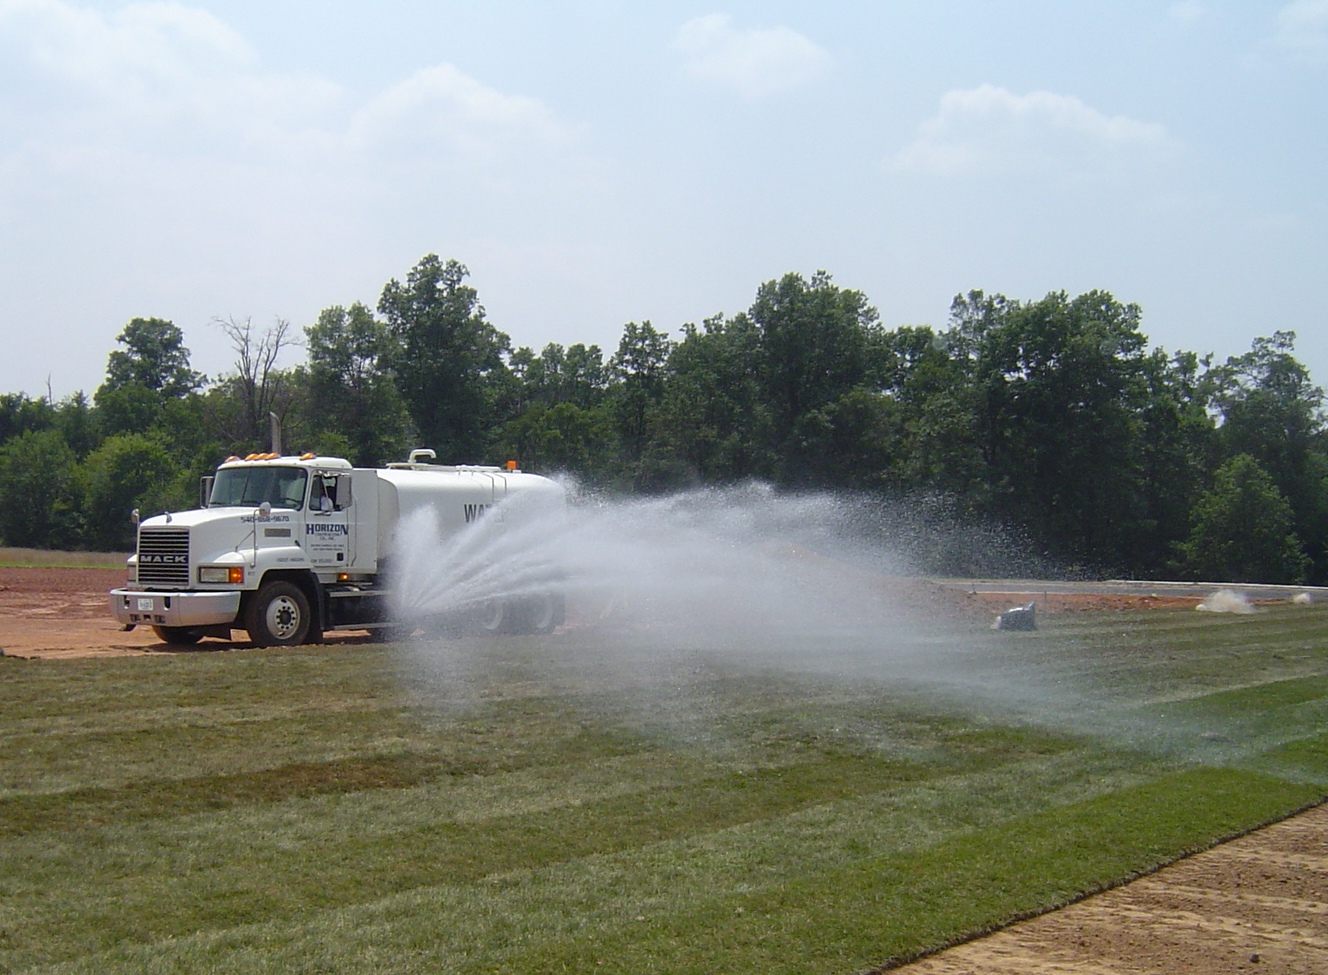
column 715, row 570
column 1227, row 601
column 659, row 589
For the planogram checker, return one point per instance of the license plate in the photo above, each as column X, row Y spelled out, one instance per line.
column 144, row 605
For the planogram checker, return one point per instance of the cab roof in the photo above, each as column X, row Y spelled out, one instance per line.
column 310, row 460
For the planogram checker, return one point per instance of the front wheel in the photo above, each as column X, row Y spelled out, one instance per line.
column 278, row 615
column 178, row 636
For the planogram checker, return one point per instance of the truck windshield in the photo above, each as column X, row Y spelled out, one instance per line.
column 249, row 487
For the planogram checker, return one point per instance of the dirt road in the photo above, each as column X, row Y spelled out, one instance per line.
column 1258, row 904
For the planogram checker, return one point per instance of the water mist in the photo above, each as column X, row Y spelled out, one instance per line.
column 742, row 576
column 665, row 591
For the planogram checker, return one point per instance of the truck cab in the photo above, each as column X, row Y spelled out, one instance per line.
column 273, row 532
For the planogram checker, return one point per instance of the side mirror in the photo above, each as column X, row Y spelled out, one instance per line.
column 342, row 492
column 205, row 490
column 133, row 516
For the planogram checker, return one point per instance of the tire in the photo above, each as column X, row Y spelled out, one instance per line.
column 544, row 613
column 494, row 616
column 278, row 615
column 178, row 636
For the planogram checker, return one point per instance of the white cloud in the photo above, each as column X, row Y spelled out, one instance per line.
column 159, row 39
column 147, row 68
column 169, row 79
column 140, row 48
column 442, row 107
column 988, row 129
column 752, row 62
column 1302, row 29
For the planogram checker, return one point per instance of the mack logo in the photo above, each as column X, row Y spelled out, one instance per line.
column 157, row 558
column 319, row 528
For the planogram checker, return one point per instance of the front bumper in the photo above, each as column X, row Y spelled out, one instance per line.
column 134, row 606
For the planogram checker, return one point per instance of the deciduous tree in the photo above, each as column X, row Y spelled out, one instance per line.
column 815, row 346
column 154, row 357
column 714, row 417
column 1060, row 386
column 638, row 368
column 448, row 360
column 38, row 502
column 1243, row 530
column 351, row 390
column 1271, row 410
column 128, row 471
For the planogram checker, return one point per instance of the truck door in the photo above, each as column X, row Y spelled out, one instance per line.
column 329, row 529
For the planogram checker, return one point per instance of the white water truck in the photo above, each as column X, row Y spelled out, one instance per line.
column 289, row 547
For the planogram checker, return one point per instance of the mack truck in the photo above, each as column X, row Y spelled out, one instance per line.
column 287, row 548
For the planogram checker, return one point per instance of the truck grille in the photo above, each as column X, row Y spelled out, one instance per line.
column 163, row 557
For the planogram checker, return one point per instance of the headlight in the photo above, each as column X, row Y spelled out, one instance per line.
column 227, row 574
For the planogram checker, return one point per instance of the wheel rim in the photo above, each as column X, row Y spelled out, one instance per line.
column 283, row 617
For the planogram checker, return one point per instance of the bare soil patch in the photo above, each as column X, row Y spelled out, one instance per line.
column 47, row 611
column 51, row 612
column 1078, row 602
column 1256, row 904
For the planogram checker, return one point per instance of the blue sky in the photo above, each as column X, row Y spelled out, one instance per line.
column 595, row 163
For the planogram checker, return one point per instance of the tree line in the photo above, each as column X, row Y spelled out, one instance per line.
column 1048, row 421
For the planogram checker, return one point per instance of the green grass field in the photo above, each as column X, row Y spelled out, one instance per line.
column 579, row 804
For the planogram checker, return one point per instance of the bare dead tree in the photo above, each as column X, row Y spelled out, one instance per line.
column 259, row 388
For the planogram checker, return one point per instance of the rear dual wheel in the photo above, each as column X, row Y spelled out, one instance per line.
column 496, row 616
column 544, row 612
column 540, row 613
